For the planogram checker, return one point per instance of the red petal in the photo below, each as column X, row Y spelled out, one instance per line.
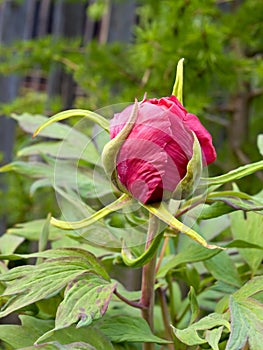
column 203, row 136
column 141, row 167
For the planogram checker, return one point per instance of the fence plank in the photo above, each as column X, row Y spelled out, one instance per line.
column 122, row 20
column 68, row 21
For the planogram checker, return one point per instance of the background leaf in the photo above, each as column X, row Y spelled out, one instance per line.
column 57, row 346
column 193, row 253
column 32, row 229
column 193, row 304
column 254, row 286
column 250, row 229
column 233, row 175
column 46, row 279
column 9, row 243
column 213, row 337
column 223, row 269
column 260, row 143
column 191, row 335
column 123, row 328
column 26, row 334
column 246, row 324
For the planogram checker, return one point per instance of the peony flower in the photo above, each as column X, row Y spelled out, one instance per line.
column 153, row 159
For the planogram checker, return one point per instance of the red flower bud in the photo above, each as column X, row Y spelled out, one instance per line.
column 154, row 157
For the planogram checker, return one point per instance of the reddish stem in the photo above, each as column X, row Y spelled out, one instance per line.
column 148, row 280
column 129, row 302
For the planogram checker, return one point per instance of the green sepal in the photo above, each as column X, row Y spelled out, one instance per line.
column 194, row 170
column 178, row 85
column 160, row 210
column 232, row 175
column 145, row 257
column 111, row 149
column 92, row 116
column 120, row 203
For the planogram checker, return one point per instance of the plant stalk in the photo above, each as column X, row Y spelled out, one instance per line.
column 166, row 318
column 129, row 302
column 148, row 280
column 172, row 304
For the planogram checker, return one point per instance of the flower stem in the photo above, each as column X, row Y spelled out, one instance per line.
column 148, row 280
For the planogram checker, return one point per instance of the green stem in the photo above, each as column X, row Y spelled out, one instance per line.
column 166, row 318
column 171, row 293
column 148, row 280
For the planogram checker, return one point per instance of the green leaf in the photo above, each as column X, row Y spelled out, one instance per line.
column 252, row 287
column 57, row 346
column 46, row 279
column 178, row 85
column 90, row 335
column 191, row 335
column 236, row 202
column 192, row 276
column 223, row 269
column 193, row 304
column 238, row 243
column 246, row 316
column 36, row 185
column 246, row 324
column 9, row 243
column 57, row 172
column 82, row 148
column 97, row 9
column 123, row 328
column 214, row 210
column 43, row 239
column 31, row 230
column 58, row 131
column 26, row 334
column 47, row 308
column 31, row 169
column 249, row 229
column 94, row 117
column 260, row 143
column 209, row 298
column 3, row 269
column 193, row 253
column 75, row 144
column 82, row 256
column 227, row 201
column 85, row 300
column 213, row 337
column 233, row 174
